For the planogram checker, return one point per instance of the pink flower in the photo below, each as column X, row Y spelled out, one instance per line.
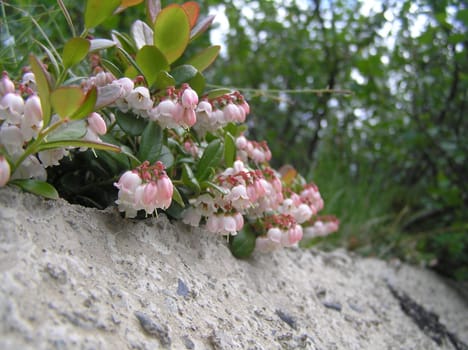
column 97, row 124
column 6, row 85
column 11, row 108
column 294, row 235
column 275, row 234
column 128, row 182
column 139, row 99
column 4, row 171
column 165, row 192
column 189, row 99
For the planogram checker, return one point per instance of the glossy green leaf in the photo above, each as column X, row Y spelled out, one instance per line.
column 243, row 244
column 164, row 80
column 79, row 143
column 229, row 150
column 97, row 11
column 201, row 27
column 208, row 184
column 210, row 159
column 87, row 106
column 129, row 123
column 198, row 83
column 111, row 67
column 124, row 42
column 204, row 58
column 43, row 87
column 172, row 32
column 166, row 156
column 74, row 51
column 40, row 188
column 151, row 143
column 151, row 61
column 183, row 74
column 189, row 179
column 177, row 197
column 66, row 100
column 218, row 93
column 68, row 131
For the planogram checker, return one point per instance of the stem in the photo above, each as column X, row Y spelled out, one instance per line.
column 67, row 17
column 32, row 148
column 288, row 91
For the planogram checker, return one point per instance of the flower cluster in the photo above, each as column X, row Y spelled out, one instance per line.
column 158, row 140
column 145, row 188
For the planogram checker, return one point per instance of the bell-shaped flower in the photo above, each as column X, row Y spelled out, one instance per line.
column 11, row 108
column 6, row 85
column 4, row 171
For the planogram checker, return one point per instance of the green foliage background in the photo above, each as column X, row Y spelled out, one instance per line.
column 390, row 159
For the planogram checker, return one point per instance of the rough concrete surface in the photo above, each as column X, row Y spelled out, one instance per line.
column 79, row 278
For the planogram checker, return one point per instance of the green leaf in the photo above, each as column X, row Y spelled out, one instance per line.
column 129, row 123
column 97, row 11
column 243, row 244
column 218, row 93
column 164, row 80
column 66, row 100
column 166, row 156
column 87, row 106
column 210, row 159
column 151, row 143
column 38, row 187
column 43, row 87
column 151, row 61
column 68, row 131
column 209, row 184
column 189, row 179
column 204, row 58
column 79, row 143
column 177, row 197
column 183, row 74
column 74, row 51
column 198, row 83
column 229, row 150
column 172, row 32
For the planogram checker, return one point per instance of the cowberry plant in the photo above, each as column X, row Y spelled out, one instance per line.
column 143, row 131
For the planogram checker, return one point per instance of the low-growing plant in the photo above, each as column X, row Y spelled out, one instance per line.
column 142, row 130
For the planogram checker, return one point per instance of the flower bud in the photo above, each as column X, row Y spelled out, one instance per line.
column 33, row 110
column 189, row 99
column 6, row 85
column 4, row 171
column 97, row 123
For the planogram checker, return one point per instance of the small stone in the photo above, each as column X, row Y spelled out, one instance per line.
column 182, row 288
column 189, row 344
column 291, row 321
column 332, row 305
column 161, row 332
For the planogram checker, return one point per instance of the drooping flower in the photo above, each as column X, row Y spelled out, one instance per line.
column 4, row 171
column 145, row 188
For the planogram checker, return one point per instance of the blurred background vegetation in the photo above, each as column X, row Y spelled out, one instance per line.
column 390, row 159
